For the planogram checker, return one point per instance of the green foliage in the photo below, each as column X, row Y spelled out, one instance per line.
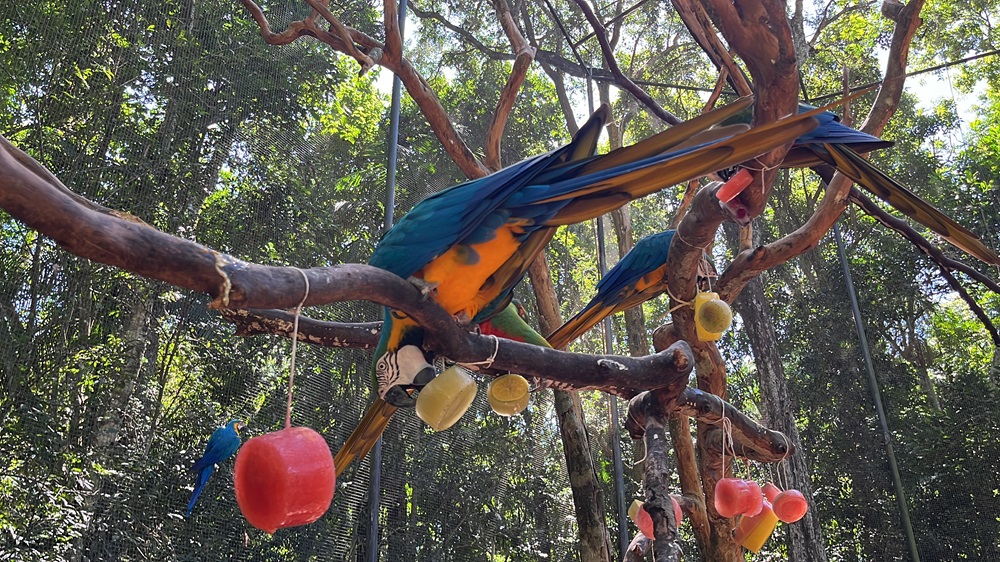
column 178, row 113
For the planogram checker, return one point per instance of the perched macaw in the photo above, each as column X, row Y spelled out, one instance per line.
column 221, row 445
column 840, row 147
column 468, row 245
column 639, row 276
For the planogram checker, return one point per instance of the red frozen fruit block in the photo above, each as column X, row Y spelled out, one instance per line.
column 285, row 478
column 731, row 496
column 678, row 514
column 637, row 512
column 790, row 506
column 755, row 499
column 734, row 186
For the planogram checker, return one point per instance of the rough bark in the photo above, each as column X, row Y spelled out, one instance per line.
column 657, row 485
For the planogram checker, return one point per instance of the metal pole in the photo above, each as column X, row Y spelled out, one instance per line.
column 904, row 513
column 375, row 483
column 616, row 444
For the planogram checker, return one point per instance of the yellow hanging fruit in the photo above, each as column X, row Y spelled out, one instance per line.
column 508, row 394
column 712, row 316
column 509, row 387
column 446, row 398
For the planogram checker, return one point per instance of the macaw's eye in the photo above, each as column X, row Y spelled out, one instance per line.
column 386, row 372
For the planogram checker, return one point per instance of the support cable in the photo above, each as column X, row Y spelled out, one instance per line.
column 375, row 482
column 897, row 482
column 615, row 437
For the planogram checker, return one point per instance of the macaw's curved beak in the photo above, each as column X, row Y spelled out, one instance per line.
column 400, row 373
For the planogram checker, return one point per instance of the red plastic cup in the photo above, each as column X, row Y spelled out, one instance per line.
column 285, row 478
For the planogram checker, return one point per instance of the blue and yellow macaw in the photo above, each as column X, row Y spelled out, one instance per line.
column 467, row 246
column 840, row 147
column 639, row 276
column 223, row 444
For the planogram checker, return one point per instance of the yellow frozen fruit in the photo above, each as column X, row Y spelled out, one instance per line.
column 446, row 398
column 508, row 388
column 712, row 316
column 507, row 408
column 716, row 316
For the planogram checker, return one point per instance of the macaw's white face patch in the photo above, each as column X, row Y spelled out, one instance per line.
column 399, row 368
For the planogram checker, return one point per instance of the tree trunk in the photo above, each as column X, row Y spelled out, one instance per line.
column 595, row 543
column 109, row 421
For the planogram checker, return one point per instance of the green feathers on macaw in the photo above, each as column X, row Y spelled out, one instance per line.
column 223, row 444
column 509, row 324
column 839, row 146
column 468, row 245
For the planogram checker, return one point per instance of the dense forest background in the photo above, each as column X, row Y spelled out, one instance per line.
column 177, row 112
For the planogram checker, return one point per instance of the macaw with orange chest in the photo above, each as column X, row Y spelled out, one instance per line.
column 467, row 246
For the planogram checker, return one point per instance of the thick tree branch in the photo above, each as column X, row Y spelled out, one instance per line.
column 342, row 32
column 684, row 451
column 524, row 56
column 907, row 22
column 695, row 233
column 751, row 440
column 393, row 36
column 35, row 197
column 751, row 263
column 693, row 15
column 657, row 485
column 255, row 321
column 758, row 31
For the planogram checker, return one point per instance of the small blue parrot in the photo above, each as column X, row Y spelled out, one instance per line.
column 221, row 445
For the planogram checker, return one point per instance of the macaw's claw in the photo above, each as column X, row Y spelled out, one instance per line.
column 398, row 397
column 401, row 396
column 426, row 288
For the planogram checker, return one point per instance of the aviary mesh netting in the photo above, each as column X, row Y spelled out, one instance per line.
column 176, row 112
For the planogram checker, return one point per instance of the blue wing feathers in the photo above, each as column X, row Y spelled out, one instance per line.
column 646, row 256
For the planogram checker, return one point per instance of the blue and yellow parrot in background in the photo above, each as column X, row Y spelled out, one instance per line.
column 839, row 146
column 221, row 445
column 639, row 276
column 468, row 245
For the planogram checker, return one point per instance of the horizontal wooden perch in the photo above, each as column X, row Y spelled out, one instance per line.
column 255, row 321
column 31, row 194
column 750, row 439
